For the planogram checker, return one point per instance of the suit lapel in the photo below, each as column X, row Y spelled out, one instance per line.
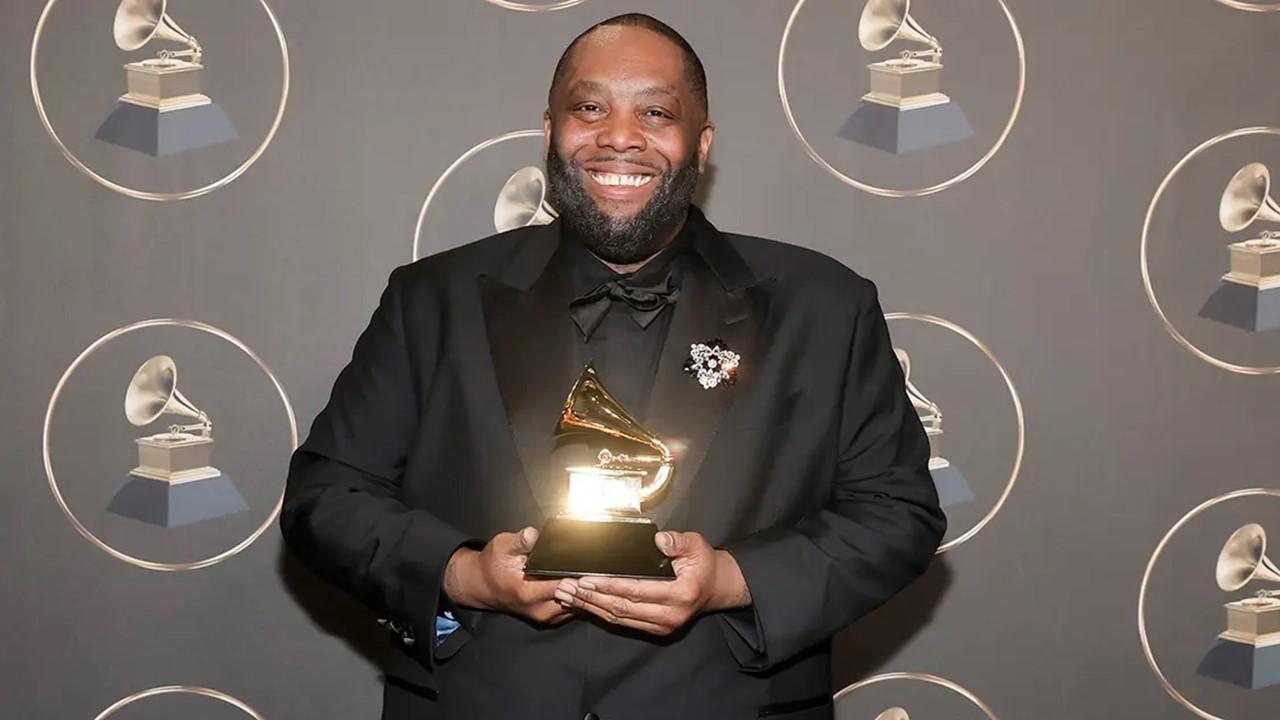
column 719, row 299
column 531, row 343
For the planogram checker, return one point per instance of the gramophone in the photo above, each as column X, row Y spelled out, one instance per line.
column 175, row 482
column 952, row 487
column 1249, row 295
column 905, row 109
column 602, row 529
column 1248, row 651
column 163, row 111
column 523, row 201
column 894, row 713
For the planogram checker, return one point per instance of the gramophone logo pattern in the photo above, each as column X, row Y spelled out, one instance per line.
column 1248, row 296
column 175, row 482
column 523, row 201
column 905, row 109
column 1247, row 653
column 952, row 488
column 163, row 111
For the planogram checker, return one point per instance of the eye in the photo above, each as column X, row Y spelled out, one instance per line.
column 587, row 107
column 658, row 112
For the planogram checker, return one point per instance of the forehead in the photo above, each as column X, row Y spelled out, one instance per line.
column 616, row 55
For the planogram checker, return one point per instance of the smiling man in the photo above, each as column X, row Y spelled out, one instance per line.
column 801, row 499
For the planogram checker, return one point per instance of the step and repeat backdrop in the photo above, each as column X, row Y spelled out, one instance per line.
column 1067, row 206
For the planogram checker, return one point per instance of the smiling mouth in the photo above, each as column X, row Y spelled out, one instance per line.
column 616, row 180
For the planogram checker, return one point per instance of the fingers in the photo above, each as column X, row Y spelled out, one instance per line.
column 661, row 592
column 517, row 543
column 678, row 544
column 650, row 618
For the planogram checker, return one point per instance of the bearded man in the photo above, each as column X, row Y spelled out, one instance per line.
column 801, row 498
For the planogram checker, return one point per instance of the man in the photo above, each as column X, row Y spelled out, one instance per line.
column 801, row 498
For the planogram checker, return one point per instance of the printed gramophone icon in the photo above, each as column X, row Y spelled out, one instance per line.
column 952, row 488
column 523, row 201
column 1247, row 653
column 1249, row 295
column 602, row 530
column 905, row 109
column 175, row 482
column 163, row 111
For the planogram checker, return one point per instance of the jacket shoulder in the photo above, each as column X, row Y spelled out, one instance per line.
column 802, row 273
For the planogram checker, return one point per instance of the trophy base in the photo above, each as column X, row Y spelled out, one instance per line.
column 908, row 129
column 1243, row 665
column 952, row 488
column 159, row 132
column 171, row 505
column 1245, row 307
column 570, row 547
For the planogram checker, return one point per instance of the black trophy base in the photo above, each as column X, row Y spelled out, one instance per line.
column 171, row 132
column 1247, row 308
column 900, row 131
column 1242, row 665
column 572, row 548
column 173, row 505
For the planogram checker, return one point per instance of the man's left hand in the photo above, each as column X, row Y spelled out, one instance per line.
column 707, row 580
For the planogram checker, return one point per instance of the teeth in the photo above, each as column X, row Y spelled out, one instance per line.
column 615, row 179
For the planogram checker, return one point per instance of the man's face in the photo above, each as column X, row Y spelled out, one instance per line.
column 626, row 142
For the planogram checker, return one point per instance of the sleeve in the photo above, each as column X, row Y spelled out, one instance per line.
column 342, row 514
column 876, row 533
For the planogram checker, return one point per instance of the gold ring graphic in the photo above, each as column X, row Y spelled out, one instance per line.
column 1143, row 251
column 1017, row 411
column 1146, row 578
column 145, row 194
column 426, row 204
column 902, row 192
column 535, row 7
column 951, row 685
column 179, row 689
column 53, row 481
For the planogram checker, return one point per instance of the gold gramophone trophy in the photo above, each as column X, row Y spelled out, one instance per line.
column 952, row 487
column 1249, row 295
column 1248, row 651
column 175, row 482
column 523, row 201
column 905, row 108
column 163, row 111
column 602, row 530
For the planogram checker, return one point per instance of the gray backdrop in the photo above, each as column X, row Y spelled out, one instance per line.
column 1037, row 255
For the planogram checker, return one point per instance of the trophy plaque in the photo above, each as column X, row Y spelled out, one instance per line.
column 602, row 530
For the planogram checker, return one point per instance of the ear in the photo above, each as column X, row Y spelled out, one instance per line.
column 546, row 130
column 704, row 144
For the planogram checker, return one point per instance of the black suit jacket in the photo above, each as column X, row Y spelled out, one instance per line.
column 811, row 470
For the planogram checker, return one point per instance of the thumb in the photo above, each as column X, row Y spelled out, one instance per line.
column 524, row 541
column 672, row 544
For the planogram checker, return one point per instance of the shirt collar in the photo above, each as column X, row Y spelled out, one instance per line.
column 588, row 272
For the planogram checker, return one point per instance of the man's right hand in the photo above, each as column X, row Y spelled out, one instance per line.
column 494, row 579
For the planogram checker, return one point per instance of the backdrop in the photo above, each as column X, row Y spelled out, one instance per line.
column 1032, row 265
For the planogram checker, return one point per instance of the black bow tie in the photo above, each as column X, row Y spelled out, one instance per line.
column 646, row 302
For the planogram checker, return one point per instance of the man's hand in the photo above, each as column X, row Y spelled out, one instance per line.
column 494, row 579
column 706, row 580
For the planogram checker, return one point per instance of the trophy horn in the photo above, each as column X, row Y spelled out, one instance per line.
column 894, row 713
column 591, row 410
column 927, row 409
column 1244, row 559
column 153, row 392
column 884, row 21
column 1248, row 198
column 523, row 201
column 138, row 22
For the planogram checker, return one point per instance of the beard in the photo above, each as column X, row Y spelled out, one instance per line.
column 619, row 240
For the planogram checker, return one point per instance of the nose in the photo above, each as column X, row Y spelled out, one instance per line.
column 621, row 133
